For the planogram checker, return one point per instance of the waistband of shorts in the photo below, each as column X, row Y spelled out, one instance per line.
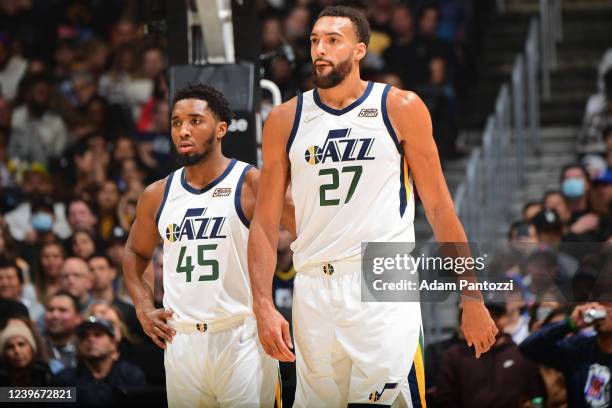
column 212, row 326
column 346, row 266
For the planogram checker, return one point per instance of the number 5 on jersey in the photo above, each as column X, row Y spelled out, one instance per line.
column 188, row 267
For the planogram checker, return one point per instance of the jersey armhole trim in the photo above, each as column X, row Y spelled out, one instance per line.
column 163, row 202
column 296, row 122
column 385, row 114
column 238, row 194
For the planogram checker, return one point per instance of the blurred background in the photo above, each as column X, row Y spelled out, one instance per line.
column 520, row 94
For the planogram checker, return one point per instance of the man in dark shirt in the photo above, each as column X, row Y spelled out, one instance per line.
column 586, row 361
column 101, row 378
column 500, row 378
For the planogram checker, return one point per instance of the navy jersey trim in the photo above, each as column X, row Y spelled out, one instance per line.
column 385, row 114
column 237, row 196
column 296, row 121
column 342, row 111
column 163, row 201
column 402, row 191
column 210, row 185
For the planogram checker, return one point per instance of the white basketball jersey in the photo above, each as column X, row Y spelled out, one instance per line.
column 205, row 237
column 349, row 180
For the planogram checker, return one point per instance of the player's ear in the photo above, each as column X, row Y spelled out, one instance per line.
column 221, row 129
column 360, row 51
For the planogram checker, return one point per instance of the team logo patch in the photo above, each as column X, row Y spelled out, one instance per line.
column 340, row 146
column 172, row 232
column 222, row 192
column 368, row 113
column 375, row 396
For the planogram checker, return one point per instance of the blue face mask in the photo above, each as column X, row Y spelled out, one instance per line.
column 573, row 187
column 42, row 222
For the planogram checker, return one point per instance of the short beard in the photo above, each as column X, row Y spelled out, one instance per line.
column 336, row 76
column 186, row 160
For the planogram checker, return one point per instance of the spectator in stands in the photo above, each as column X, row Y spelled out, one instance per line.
column 429, row 46
column 25, row 361
column 12, row 68
column 530, row 209
column 22, row 146
column 401, row 57
column 47, row 279
column 500, row 378
column 549, row 229
column 76, row 278
column 13, row 287
column 100, row 377
column 35, row 117
column 554, row 200
column 576, row 188
column 586, row 361
column 107, row 199
column 61, row 318
column 83, row 244
column 81, row 216
column 104, row 279
column 543, row 273
column 153, row 61
column 598, row 115
column 124, row 83
column 517, row 316
column 133, row 348
column 554, row 380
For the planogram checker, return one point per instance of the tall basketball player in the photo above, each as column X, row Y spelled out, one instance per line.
column 202, row 213
column 351, row 150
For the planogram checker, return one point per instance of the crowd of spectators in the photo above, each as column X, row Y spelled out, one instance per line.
column 548, row 352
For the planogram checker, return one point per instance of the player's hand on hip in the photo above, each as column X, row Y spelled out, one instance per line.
column 154, row 324
column 478, row 327
column 273, row 331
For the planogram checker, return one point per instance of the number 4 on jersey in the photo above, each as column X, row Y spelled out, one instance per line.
column 188, row 267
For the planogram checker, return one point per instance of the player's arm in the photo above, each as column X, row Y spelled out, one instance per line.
column 273, row 329
column 412, row 123
column 142, row 241
column 249, row 198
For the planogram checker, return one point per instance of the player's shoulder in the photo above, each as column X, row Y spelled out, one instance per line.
column 401, row 99
column 284, row 113
column 153, row 194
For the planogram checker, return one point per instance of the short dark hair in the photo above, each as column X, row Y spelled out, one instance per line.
column 360, row 23
column 103, row 256
column 64, row 293
column 215, row 99
column 578, row 166
column 7, row 262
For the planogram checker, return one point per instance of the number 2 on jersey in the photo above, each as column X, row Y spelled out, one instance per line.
column 324, row 188
column 188, row 267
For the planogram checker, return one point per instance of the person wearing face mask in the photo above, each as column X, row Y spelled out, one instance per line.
column 576, row 187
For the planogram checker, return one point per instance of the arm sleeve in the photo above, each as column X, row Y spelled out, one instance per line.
column 546, row 346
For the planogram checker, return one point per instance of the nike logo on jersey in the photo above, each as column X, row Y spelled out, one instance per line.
column 339, row 146
column 195, row 225
column 311, row 118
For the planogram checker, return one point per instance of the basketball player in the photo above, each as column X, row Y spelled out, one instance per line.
column 202, row 213
column 351, row 150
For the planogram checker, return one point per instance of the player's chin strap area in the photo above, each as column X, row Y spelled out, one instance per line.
column 213, row 326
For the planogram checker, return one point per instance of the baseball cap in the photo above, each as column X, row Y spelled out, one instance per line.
column 93, row 321
column 547, row 220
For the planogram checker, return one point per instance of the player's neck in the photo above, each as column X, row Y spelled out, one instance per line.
column 200, row 175
column 345, row 93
